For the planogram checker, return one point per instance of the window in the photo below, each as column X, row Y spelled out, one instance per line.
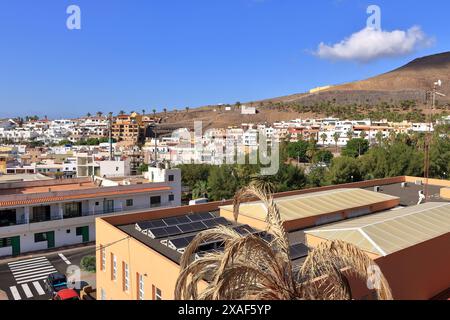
column 171, row 197
column 41, row 214
column 40, row 237
column 126, row 277
column 68, row 231
column 72, row 210
column 158, row 294
column 155, row 201
column 102, row 294
column 5, row 242
column 140, row 279
column 103, row 259
column 129, row 202
column 113, row 267
column 171, row 178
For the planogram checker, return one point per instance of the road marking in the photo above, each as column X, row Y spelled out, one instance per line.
column 33, row 266
column 27, row 290
column 32, row 277
column 15, row 293
column 64, row 258
column 38, row 288
column 31, row 270
column 37, row 278
column 18, row 274
column 17, row 263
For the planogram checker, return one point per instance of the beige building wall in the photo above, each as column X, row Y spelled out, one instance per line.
column 159, row 273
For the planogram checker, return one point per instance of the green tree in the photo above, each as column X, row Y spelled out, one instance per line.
column 143, row 168
column 316, row 177
column 323, row 156
column 297, row 150
column 355, row 147
column 344, row 170
column 200, row 190
column 336, row 137
column 222, row 182
column 323, row 137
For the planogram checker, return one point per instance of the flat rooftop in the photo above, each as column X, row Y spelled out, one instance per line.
column 170, row 236
column 409, row 196
column 50, row 188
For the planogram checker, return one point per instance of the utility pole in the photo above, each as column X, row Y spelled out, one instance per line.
column 110, row 137
column 156, row 147
column 428, row 135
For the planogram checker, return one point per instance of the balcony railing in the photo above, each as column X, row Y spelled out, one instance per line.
column 89, row 214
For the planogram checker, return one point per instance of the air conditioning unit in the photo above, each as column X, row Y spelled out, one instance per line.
column 419, row 182
column 404, row 184
column 377, row 189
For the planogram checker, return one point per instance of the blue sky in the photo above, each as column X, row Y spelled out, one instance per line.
column 145, row 54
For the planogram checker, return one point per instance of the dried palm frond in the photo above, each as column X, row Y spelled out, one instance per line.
column 252, row 268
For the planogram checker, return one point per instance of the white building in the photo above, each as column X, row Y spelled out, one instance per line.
column 40, row 215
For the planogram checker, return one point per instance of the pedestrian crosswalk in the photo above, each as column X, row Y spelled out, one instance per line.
column 27, row 290
column 30, row 270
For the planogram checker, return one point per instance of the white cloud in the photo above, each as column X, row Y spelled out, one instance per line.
column 371, row 44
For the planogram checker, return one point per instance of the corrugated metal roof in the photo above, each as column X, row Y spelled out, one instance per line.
column 314, row 204
column 391, row 231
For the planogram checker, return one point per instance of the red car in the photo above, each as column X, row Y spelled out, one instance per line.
column 66, row 294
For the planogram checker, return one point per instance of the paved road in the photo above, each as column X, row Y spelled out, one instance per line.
column 23, row 278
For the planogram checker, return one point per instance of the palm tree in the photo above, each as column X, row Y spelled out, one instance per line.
column 200, row 190
column 88, row 115
column 187, row 109
column 143, row 112
column 154, row 112
column 99, row 114
column 379, row 137
column 323, row 137
column 336, row 137
column 264, row 183
column 350, row 134
column 251, row 267
column 121, row 112
column 165, row 110
column 363, row 135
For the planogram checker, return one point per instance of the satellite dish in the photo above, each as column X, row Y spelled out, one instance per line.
column 438, row 83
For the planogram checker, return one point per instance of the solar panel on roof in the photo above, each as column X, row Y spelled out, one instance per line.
column 206, row 215
column 212, row 223
column 158, row 223
column 140, row 226
column 298, row 251
column 173, row 230
column 195, row 217
column 183, row 219
column 171, row 221
column 157, row 233
column 244, row 229
column 198, row 226
column 222, row 221
column 187, row 227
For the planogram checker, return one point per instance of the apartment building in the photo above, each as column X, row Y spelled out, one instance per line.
column 45, row 214
column 129, row 128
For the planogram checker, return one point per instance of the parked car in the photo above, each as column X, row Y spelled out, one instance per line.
column 198, row 201
column 66, row 295
column 55, row 282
